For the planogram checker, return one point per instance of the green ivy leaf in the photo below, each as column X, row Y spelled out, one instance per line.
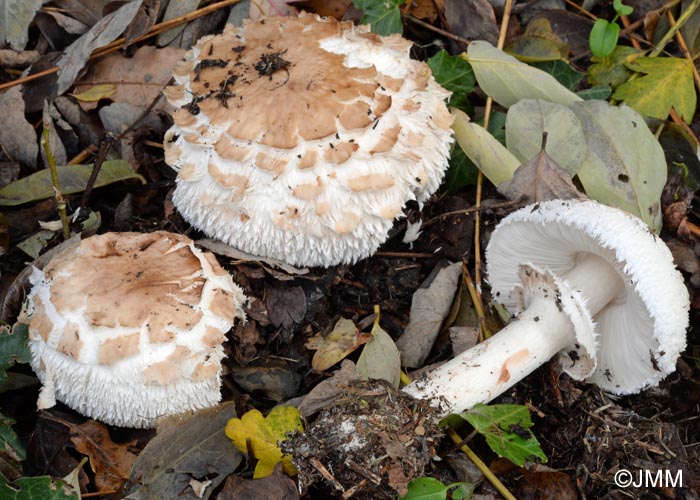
column 565, row 74
column 462, row 172
column 603, row 38
column 13, row 347
column 539, row 43
column 71, row 178
column 36, row 488
column 667, row 83
column 611, row 70
column 383, row 15
column 456, row 75
column 597, row 93
column 428, row 488
column 507, row 431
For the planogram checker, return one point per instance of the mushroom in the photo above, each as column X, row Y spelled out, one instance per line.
column 302, row 138
column 128, row 327
column 590, row 284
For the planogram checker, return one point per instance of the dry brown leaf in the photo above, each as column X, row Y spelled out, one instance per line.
column 540, row 179
column 541, row 484
column 17, row 134
column 474, row 20
column 285, row 305
column 277, row 486
column 325, row 393
column 427, row 10
column 329, row 8
column 430, row 306
column 111, row 462
column 336, row 345
column 138, row 79
column 105, row 31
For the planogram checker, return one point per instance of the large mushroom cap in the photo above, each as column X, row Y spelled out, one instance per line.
column 302, row 138
column 128, row 327
column 641, row 332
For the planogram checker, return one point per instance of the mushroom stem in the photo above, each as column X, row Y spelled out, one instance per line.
column 542, row 330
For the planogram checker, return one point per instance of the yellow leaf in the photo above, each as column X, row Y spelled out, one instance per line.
column 337, row 345
column 668, row 82
column 96, row 93
column 264, row 433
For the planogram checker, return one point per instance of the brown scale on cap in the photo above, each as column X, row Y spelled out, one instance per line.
column 70, row 343
column 116, row 349
column 204, row 371
column 235, row 181
column 40, row 324
column 371, row 181
column 270, row 163
column 307, row 191
column 225, row 148
column 389, row 138
column 340, row 152
column 188, row 171
column 309, row 158
column 161, row 373
column 213, row 337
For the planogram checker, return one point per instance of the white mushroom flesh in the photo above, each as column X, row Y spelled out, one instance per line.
column 311, row 163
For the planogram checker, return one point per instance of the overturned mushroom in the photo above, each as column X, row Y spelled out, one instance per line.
column 302, row 138
column 128, row 327
column 590, row 284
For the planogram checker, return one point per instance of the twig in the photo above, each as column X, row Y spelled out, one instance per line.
column 99, row 493
column 686, row 52
column 694, row 230
column 500, row 487
column 83, row 155
column 626, row 23
column 685, row 15
column 470, row 210
column 407, row 255
column 156, row 29
column 437, row 30
column 321, row 469
column 484, row 331
column 51, row 161
column 107, row 143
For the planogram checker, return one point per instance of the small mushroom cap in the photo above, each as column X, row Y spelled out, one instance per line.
column 640, row 334
column 302, row 138
column 128, row 327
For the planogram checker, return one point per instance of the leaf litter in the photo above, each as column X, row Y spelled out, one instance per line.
column 270, row 361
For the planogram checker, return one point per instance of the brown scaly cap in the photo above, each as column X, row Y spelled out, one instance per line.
column 301, row 138
column 127, row 327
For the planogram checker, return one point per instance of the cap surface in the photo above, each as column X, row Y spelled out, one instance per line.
column 642, row 333
column 128, row 327
column 302, row 138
